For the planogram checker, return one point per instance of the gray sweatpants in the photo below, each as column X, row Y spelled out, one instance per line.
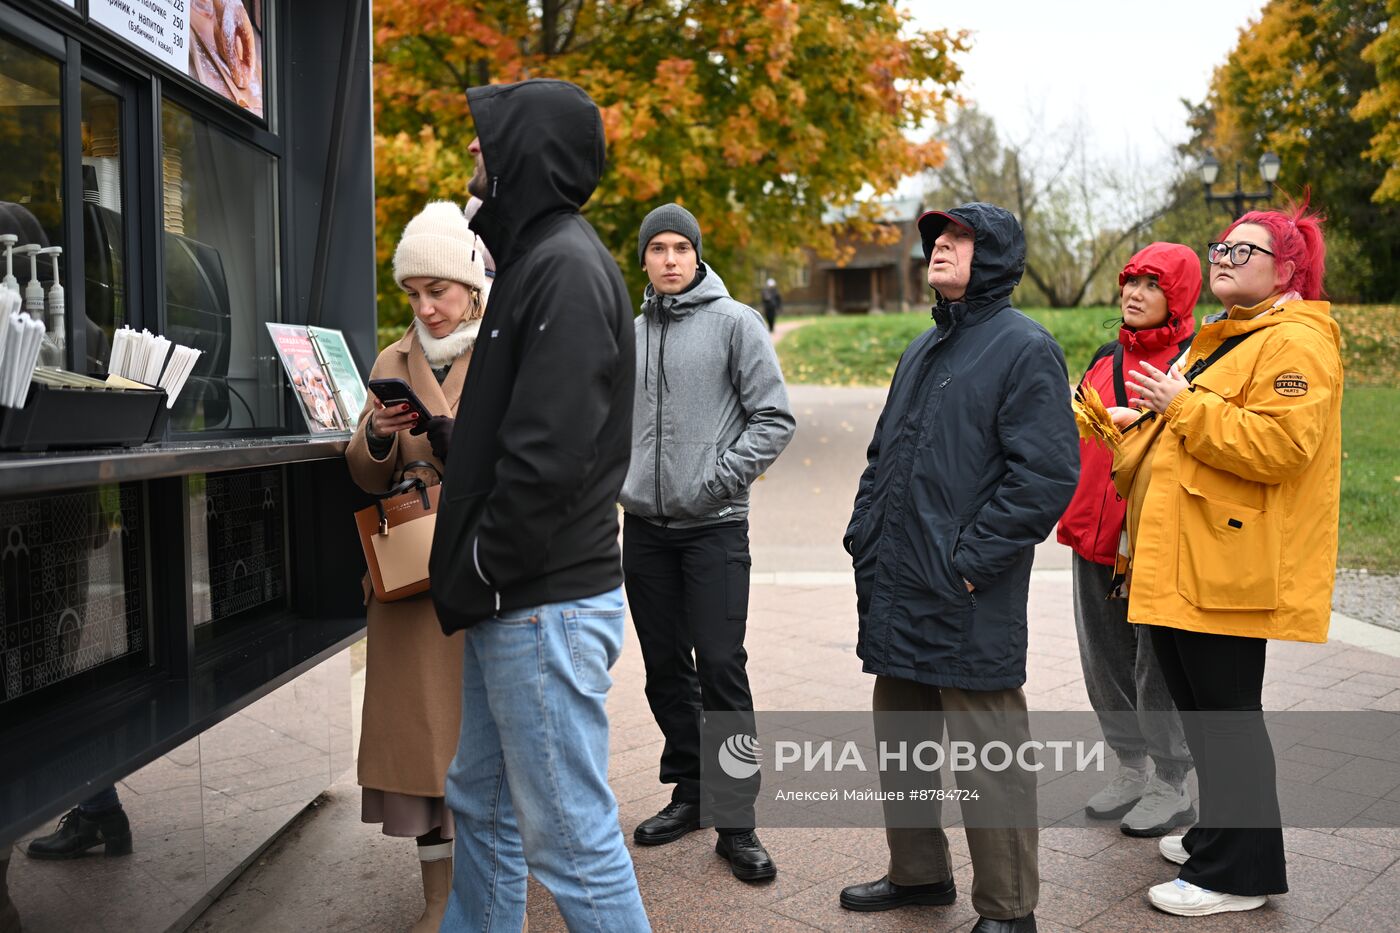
column 1123, row 678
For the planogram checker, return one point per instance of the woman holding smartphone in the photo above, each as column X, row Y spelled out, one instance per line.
column 1237, row 542
column 413, row 676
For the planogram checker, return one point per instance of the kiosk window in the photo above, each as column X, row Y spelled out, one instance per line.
column 31, row 160
column 104, row 278
column 221, row 273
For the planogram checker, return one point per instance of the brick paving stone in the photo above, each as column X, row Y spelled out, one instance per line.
column 1317, row 888
column 1094, row 878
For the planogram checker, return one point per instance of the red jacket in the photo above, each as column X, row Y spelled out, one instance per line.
column 1094, row 520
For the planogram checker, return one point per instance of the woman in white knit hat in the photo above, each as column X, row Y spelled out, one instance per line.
column 413, row 675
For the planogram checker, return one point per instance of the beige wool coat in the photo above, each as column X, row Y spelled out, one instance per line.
column 413, row 673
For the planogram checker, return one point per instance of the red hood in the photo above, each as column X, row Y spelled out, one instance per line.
column 1178, row 271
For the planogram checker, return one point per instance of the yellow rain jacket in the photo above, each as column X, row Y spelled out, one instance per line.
column 1238, row 534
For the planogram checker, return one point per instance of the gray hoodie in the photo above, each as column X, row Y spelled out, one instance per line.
column 711, row 411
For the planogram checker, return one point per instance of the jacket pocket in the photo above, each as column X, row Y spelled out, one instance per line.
column 687, row 478
column 737, row 565
column 638, row 494
column 932, row 551
column 1228, row 553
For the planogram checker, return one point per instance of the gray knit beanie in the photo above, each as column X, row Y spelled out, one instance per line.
column 668, row 218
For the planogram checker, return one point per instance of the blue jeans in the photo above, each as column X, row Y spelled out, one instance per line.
column 528, row 787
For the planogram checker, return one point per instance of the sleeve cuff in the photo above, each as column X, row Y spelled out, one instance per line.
column 1174, row 408
column 379, row 447
column 962, row 571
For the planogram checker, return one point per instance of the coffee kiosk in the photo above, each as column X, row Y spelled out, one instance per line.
column 176, row 603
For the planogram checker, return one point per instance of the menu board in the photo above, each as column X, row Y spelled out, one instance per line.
column 333, row 353
column 314, row 390
column 219, row 43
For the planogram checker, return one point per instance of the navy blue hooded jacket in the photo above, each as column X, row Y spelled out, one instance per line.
column 974, row 458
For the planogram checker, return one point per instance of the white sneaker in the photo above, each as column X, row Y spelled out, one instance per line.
column 1119, row 796
column 1172, row 850
column 1187, row 900
column 1161, row 809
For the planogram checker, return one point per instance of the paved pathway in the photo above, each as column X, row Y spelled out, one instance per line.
column 331, row 872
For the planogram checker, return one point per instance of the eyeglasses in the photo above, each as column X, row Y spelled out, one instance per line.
column 1239, row 252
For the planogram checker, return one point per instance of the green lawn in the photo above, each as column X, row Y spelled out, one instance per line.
column 1370, row 530
column 859, row 349
column 863, row 350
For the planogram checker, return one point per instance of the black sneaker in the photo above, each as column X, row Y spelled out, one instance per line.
column 77, row 832
column 675, row 820
column 886, row 895
column 747, row 858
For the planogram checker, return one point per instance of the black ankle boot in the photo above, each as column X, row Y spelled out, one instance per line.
column 675, row 820
column 78, row 831
column 747, row 858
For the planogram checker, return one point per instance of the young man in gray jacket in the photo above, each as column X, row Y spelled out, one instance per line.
column 711, row 414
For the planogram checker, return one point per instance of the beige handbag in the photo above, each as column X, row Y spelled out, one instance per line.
column 397, row 535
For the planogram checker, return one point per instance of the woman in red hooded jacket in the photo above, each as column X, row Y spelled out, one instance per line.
column 1158, row 291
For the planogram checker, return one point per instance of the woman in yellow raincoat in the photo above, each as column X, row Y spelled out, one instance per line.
column 1237, row 541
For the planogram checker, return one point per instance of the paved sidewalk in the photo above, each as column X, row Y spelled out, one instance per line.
column 330, row 872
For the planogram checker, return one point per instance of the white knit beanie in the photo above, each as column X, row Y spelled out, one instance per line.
column 440, row 244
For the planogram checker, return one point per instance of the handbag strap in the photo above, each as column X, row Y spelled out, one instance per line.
column 1226, row 345
column 407, row 484
column 1198, row 367
column 421, row 465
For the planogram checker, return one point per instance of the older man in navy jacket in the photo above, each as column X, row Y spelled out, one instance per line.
column 974, row 458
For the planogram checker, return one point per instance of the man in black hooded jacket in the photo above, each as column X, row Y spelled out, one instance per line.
column 525, row 555
column 974, row 458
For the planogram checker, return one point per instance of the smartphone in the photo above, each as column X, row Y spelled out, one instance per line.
column 394, row 392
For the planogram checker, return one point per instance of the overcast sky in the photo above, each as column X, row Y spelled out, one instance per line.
column 1118, row 67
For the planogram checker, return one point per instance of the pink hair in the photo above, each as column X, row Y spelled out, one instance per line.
column 1297, row 237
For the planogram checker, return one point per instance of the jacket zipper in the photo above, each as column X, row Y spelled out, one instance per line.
column 660, row 368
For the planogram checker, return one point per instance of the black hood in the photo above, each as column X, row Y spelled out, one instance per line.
column 998, row 250
column 542, row 142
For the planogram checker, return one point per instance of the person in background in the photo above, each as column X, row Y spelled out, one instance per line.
column 413, row 680
column 710, row 415
column 1237, row 542
column 99, row 820
column 1159, row 288
column 772, row 303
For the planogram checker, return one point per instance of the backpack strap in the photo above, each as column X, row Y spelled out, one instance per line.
column 1103, row 351
column 1120, row 388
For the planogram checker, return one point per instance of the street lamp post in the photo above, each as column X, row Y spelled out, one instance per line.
column 1239, row 198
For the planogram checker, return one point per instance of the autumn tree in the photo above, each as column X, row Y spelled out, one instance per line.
column 1302, row 82
column 1381, row 104
column 1082, row 216
column 754, row 117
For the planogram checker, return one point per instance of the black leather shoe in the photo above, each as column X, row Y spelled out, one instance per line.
column 674, row 821
column 1024, row 924
column 748, row 860
column 886, row 895
column 78, row 832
